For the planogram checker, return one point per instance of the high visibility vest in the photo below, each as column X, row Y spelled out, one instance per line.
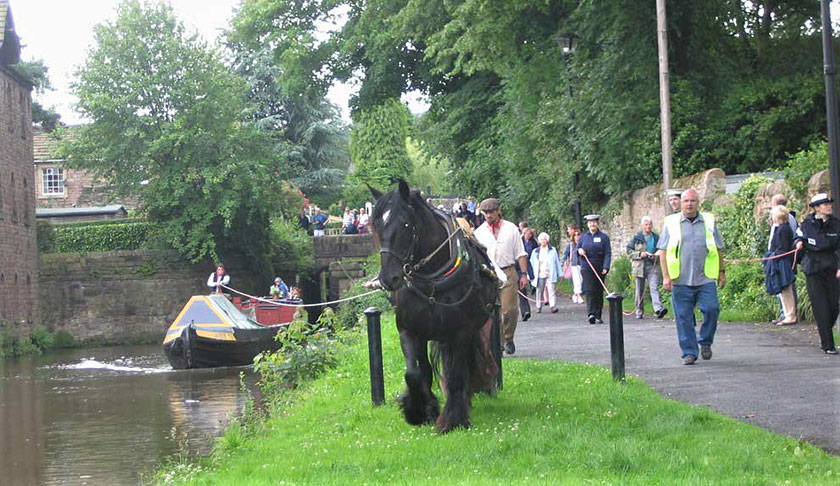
column 672, row 252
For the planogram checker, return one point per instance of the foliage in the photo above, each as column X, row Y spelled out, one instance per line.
column 291, row 245
column 742, row 238
column 378, row 146
column 167, row 127
column 95, row 237
column 745, row 292
column 351, row 313
column 306, row 351
column 45, row 235
column 40, row 339
column 589, row 429
column 429, row 172
column 801, row 166
column 620, row 279
column 37, row 73
column 276, row 50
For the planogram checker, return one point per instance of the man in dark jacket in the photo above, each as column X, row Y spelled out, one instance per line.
column 594, row 248
column 530, row 243
column 642, row 252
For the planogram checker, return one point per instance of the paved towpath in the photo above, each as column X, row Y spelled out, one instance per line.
column 773, row 377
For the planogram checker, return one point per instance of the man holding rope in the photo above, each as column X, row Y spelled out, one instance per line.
column 505, row 248
column 691, row 258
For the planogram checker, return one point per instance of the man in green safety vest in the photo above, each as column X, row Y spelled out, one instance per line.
column 691, row 258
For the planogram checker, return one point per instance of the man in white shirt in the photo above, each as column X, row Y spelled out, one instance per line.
column 505, row 249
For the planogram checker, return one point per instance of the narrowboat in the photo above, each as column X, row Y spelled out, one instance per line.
column 213, row 331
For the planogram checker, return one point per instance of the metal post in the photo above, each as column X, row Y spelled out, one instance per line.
column 496, row 348
column 831, row 105
column 616, row 336
column 377, row 377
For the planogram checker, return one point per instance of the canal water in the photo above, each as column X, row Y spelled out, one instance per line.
column 107, row 415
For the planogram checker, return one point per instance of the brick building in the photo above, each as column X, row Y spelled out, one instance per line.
column 18, row 251
column 57, row 186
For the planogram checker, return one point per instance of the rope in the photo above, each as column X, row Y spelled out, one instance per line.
column 762, row 259
column 532, row 300
column 602, row 282
column 320, row 304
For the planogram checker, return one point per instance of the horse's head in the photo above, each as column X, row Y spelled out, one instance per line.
column 395, row 226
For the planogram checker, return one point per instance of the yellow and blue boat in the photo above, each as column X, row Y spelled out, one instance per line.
column 212, row 331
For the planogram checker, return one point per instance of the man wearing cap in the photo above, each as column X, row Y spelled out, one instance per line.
column 691, row 259
column 504, row 247
column 819, row 237
column 594, row 246
column 674, row 199
column 645, row 269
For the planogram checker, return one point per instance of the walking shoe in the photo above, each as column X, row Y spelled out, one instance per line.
column 539, row 310
column 639, row 316
column 661, row 313
column 706, row 352
column 830, row 351
column 591, row 319
column 510, row 348
column 554, row 310
column 598, row 321
column 526, row 316
column 689, row 360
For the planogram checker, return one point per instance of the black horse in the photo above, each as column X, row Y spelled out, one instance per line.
column 444, row 291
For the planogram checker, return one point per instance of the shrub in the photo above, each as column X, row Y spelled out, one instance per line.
column 742, row 238
column 350, row 313
column 291, row 245
column 802, row 165
column 620, row 278
column 46, row 236
column 101, row 237
column 744, row 293
column 41, row 337
column 63, row 339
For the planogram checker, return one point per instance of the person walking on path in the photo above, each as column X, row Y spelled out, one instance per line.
column 691, row 258
column 546, row 265
column 530, row 244
column 674, row 199
column 779, row 276
column 819, row 237
column 504, row 247
column 642, row 252
column 781, row 200
column 319, row 223
column 594, row 245
column 571, row 259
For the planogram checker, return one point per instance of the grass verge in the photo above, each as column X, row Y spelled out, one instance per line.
column 554, row 423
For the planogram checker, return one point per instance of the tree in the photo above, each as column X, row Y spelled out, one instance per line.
column 276, row 51
column 167, row 127
column 38, row 74
column 378, row 148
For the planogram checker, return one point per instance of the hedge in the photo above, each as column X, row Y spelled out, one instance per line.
column 105, row 236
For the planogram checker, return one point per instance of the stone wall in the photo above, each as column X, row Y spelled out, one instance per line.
column 18, row 252
column 122, row 297
column 651, row 201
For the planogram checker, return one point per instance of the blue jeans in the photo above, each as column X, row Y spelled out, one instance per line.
column 685, row 298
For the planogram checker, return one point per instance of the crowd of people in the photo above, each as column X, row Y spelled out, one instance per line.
column 353, row 221
column 686, row 259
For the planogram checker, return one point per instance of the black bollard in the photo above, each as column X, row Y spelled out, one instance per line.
column 377, row 377
column 616, row 336
column 496, row 349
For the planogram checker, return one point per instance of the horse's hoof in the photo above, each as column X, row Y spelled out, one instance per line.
column 446, row 427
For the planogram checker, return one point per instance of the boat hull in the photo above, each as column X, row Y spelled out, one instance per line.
column 190, row 350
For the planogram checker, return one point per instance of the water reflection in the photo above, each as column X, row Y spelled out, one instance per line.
column 105, row 416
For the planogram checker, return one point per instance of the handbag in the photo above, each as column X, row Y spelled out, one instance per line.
column 567, row 272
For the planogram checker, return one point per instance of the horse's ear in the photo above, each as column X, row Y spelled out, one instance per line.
column 374, row 192
column 405, row 191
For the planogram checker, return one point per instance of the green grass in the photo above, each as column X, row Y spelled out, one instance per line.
column 554, row 423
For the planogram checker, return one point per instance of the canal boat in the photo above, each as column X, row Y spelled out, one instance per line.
column 213, row 331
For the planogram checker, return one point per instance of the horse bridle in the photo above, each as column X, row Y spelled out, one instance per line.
column 409, row 267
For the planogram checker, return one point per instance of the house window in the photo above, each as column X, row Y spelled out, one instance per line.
column 53, row 181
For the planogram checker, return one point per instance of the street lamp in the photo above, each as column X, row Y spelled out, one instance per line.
column 567, row 46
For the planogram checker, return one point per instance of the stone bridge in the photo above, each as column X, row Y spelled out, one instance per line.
column 339, row 262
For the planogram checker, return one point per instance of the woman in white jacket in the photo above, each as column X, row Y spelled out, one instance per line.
column 546, row 265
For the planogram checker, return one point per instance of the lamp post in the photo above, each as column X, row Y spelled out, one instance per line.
column 567, row 45
column 830, row 105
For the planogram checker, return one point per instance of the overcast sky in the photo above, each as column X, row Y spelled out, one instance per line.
column 61, row 31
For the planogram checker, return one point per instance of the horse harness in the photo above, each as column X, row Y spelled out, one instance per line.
column 461, row 260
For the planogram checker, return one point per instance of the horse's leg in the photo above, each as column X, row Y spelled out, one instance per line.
column 418, row 403
column 456, row 369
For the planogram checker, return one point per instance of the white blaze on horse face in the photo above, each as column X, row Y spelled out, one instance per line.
column 385, row 216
